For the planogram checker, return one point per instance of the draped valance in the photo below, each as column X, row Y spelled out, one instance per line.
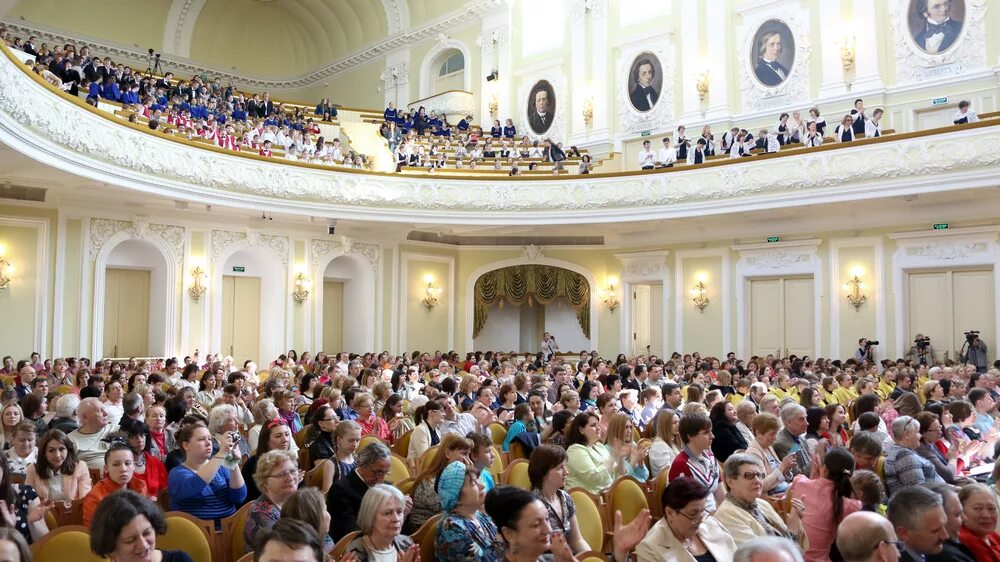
column 520, row 284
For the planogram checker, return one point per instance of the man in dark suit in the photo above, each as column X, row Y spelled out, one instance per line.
column 540, row 118
column 644, row 95
column 920, row 521
column 343, row 501
column 938, row 31
column 30, row 46
column 952, row 550
column 768, row 70
column 791, row 440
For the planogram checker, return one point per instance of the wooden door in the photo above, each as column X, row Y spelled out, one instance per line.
column 782, row 317
column 241, row 317
column 126, row 312
column 799, row 316
column 766, row 317
column 929, row 307
column 973, row 308
column 333, row 316
column 641, row 318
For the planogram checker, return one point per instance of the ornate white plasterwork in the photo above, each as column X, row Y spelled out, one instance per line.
column 179, row 27
column 531, row 252
column 776, row 259
column 557, row 78
column 251, row 238
column 946, row 250
column 322, row 250
column 795, row 88
column 397, row 15
column 102, row 230
column 581, row 9
column 661, row 116
column 966, row 54
column 65, row 136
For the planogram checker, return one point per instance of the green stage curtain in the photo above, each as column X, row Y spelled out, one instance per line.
column 520, row 284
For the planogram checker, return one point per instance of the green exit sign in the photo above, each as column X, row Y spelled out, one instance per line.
column 771, row 239
column 939, row 101
column 941, row 226
column 239, row 269
column 645, row 133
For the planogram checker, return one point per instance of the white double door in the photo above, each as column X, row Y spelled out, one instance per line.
column 782, row 316
column 943, row 304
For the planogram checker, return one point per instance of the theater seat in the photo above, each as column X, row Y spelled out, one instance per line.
column 66, row 543
column 190, row 534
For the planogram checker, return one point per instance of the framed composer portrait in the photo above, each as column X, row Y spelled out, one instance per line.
column 772, row 53
column 645, row 81
column 935, row 25
column 541, row 107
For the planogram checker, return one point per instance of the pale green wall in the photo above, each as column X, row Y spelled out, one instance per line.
column 855, row 323
column 427, row 329
column 17, row 303
column 121, row 21
column 703, row 329
column 69, row 322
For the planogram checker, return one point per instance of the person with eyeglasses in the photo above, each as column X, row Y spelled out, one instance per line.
column 686, row 532
column 920, row 521
column 868, row 537
column 277, row 477
column 903, row 466
column 745, row 515
column 343, row 501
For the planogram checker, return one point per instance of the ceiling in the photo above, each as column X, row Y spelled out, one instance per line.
column 267, row 38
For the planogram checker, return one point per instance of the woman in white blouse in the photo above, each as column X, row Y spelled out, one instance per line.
column 765, row 429
column 667, row 443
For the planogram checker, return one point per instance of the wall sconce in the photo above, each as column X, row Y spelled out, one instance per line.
column 6, row 269
column 847, row 52
column 700, row 294
column 701, row 84
column 431, row 293
column 588, row 110
column 855, row 288
column 198, row 288
column 494, row 106
column 611, row 296
column 302, row 286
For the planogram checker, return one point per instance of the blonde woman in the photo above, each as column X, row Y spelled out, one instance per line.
column 667, row 443
column 10, row 416
column 624, row 450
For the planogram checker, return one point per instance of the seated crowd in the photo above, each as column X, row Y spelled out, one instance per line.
column 795, row 454
column 198, row 109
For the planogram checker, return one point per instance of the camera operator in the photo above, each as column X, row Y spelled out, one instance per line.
column 922, row 353
column 865, row 351
column 975, row 351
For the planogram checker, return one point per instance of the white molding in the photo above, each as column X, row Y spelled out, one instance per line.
column 777, row 260
column 86, row 282
column 681, row 295
column 394, row 303
column 878, row 296
column 316, row 267
column 40, row 325
column 405, row 259
column 58, row 301
column 179, row 26
column 942, row 250
column 470, row 292
column 428, row 73
column 639, row 268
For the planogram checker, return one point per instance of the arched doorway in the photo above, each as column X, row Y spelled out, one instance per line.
column 516, row 304
column 346, row 319
column 137, row 280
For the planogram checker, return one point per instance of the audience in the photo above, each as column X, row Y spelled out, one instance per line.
column 979, row 532
column 547, row 472
column 277, row 477
column 309, row 506
column 289, row 539
column 380, row 520
column 828, row 497
column 426, row 498
column 344, row 499
column 119, row 473
column 206, row 485
column 745, row 515
column 686, row 531
column 58, row 475
column 696, row 460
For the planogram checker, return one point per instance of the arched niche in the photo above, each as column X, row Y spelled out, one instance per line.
column 151, row 257
column 263, row 264
column 510, row 322
column 357, row 305
column 431, row 63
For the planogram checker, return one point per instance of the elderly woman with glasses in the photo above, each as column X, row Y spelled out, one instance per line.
column 277, row 477
column 744, row 514
column 686, row 533
column 903, row 466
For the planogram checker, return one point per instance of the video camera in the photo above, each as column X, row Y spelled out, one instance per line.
column 922, row 343
column 971, row 336
column 870, row 343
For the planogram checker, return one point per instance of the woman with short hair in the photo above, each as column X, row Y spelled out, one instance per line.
column 765, row 429
column 370, row 423
column 308, row 505
column 979, row 531
column 206, row 485
column 547, row 472
column 22, row 451
column 686, row 533
column 745, row 515
column 277, row 476
column 696, row 459
column 126, row 523
column 380, row 520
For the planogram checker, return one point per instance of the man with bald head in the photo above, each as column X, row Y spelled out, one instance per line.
column 920, row 522
column 89, row 438
column 768, row 549
column 864, row 536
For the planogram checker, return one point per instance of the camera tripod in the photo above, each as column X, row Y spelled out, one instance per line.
column 153, row 64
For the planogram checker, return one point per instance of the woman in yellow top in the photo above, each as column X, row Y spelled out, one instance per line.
column 591, row 465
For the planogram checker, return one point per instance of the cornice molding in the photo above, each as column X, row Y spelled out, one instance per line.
column 68, row 135
column 398, row 39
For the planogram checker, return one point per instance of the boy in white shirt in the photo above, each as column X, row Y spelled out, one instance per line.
column 647, row 159
column 965, row 114
column 667, row 155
